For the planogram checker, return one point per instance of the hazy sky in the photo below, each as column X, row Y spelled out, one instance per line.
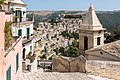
column 72, row 4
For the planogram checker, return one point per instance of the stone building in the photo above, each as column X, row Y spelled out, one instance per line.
column 91, row 31
column 102, row 59
column 10, row 57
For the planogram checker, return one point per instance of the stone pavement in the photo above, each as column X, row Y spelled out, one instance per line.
column 98, row 77
column 41, row 75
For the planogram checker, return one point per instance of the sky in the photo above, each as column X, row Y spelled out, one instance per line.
column 73, row 5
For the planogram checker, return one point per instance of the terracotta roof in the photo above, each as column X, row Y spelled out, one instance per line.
column 112, row 48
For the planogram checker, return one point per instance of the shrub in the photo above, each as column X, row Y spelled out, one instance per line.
column 8, row 34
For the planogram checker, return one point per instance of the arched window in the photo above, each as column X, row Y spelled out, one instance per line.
column 98, row 41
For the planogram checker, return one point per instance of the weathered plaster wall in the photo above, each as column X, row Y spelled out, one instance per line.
column 10, row 60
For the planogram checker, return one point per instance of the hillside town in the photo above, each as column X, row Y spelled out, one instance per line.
column 71, row 47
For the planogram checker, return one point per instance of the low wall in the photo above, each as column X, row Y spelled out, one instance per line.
column 107, row 69
column 62, row 64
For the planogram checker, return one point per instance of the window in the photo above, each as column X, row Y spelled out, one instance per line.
column 18, row 15
column 8, row 73
column 20, row 32
column 24, row 53
column 85, row 43
column 30, row 48
column 17, row 62
column 28, row 33
column 98, row 41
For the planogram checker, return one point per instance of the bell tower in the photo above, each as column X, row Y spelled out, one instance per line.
column 91, row 33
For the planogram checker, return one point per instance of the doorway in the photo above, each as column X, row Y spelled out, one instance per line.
column 24, row 53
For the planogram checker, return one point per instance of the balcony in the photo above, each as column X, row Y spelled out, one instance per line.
column 27, row 39
column 21, row 24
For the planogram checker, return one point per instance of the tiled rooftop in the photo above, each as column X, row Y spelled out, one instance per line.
column 112, row 48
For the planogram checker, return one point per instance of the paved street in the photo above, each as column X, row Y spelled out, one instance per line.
column 40, row 75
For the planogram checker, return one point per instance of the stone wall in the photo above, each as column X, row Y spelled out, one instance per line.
column 63, row 64
column 77, row 65
column 60, row 64
column 107, row 69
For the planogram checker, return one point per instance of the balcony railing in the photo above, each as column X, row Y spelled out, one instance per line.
column 26, row 39
column 21, row 24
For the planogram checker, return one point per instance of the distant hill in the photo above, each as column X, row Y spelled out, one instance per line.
column 109, row 19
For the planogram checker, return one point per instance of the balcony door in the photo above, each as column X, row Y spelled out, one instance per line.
column 18, row 15
column 20, row 32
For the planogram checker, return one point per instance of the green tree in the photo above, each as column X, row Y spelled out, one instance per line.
column 109, row 38
column 56, row 50
column 117, row 34
column 75, row 43
column 61, row 50
column 70, row 51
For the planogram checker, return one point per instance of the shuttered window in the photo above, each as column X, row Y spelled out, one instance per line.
column 8, row 73
column 28, row 33
column 17, row 62
column 20, row 32
column 18, row 15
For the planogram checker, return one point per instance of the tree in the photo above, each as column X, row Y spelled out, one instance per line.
column 75, row 35
column 109, row 37
column 61, row 50
column 71, row 50
column 117, row 34
column 56, row 50
column 75, row 43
